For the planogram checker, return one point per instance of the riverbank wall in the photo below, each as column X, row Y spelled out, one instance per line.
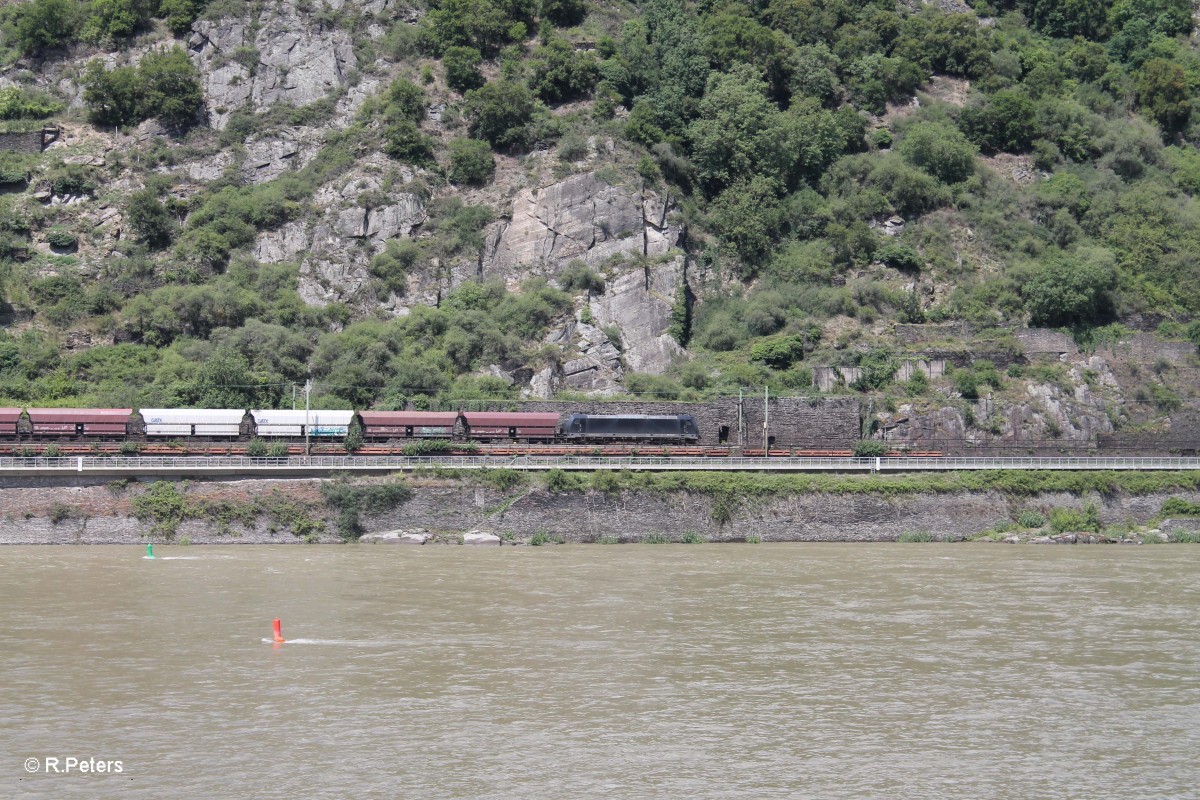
column 520, row 509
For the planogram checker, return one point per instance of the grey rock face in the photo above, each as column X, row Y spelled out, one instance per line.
column 544, row 384
column 299, row 61
column 581, row 217
column 268, row 158
column 639, row 304
column 282, row 244
column 335, row 250
column 593, row 363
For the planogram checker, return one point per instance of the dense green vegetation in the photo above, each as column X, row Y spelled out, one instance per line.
column 164, row 86
column 785, row 127
column 1015, row 483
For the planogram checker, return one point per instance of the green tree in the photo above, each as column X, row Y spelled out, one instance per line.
column 778, row 352
column 23, row 104
column 171, row 88
column 1065, row 291
column 1168, row 17
column 739, row 132
column 1085, row 60
column 563, row 13
column 113, row 97
column 165, row 85
column 901, row 257
column 462, row 68
column 952, row 43
column 149, row 219
column 561, row 73
column 471, row 162
column 404, row 101
column 749, row 218
column 113, row 20
column 480, row 24
column 500, row 112
column 939, row 149
column 180, row 14
column 1164, row 92
column 680, row 326
column 391, row 266
column 45, row 23
column 876, row 79
column 405, row 142
column 225, row 380
column 814, row 73
column 578, row 276
column 737, row 39
column 1005, row 121
column 1085, row 18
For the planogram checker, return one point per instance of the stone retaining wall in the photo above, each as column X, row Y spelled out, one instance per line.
column 28, row 142
column 99, row 516
column 819, row 423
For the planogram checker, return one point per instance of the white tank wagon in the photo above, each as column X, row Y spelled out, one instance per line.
column 320, row 423
column 224, row 422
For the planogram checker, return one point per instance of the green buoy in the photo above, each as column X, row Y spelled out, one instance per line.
column 149, row 551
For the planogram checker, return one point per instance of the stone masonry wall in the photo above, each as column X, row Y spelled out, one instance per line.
column 98, row 516
column 22, row 142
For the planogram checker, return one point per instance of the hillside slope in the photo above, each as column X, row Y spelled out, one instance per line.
column 979, row 219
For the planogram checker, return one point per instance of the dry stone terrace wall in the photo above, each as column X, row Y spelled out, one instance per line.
column 22, row 142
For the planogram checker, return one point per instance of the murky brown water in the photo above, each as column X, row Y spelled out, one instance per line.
column 822, row 671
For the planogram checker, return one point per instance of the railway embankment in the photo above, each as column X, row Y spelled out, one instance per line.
column 507, row 507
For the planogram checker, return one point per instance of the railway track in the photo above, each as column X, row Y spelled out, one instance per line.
column 317, row 465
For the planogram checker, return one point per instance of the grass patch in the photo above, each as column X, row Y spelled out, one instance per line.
column 288, row 513
column 428, row 447
column 692, row 537
column 1068, row 520
column 502, row 479
column 916, row 536
column 60, row 512
column 1030, row 519
column 1185, row 537
column 164, row 506
column 120, row 486
column 226, row 513
column 349, row 500
column 741, row 486
column 1178, row 507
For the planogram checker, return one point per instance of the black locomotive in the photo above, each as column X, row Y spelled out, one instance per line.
column 586, row 428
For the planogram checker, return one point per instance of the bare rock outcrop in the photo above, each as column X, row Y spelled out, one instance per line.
column 592, row 363
column 268, row 157
column 639, row 304
column 583, row 217
column 284, row 55
column 334, row 251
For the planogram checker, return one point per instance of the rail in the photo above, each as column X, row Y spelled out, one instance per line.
column 17, row 466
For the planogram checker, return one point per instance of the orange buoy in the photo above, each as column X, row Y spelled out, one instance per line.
column 278, row 632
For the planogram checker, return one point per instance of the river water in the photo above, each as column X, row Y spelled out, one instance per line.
column 677, row 671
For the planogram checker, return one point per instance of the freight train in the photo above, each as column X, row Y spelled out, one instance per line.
column 54, row 425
